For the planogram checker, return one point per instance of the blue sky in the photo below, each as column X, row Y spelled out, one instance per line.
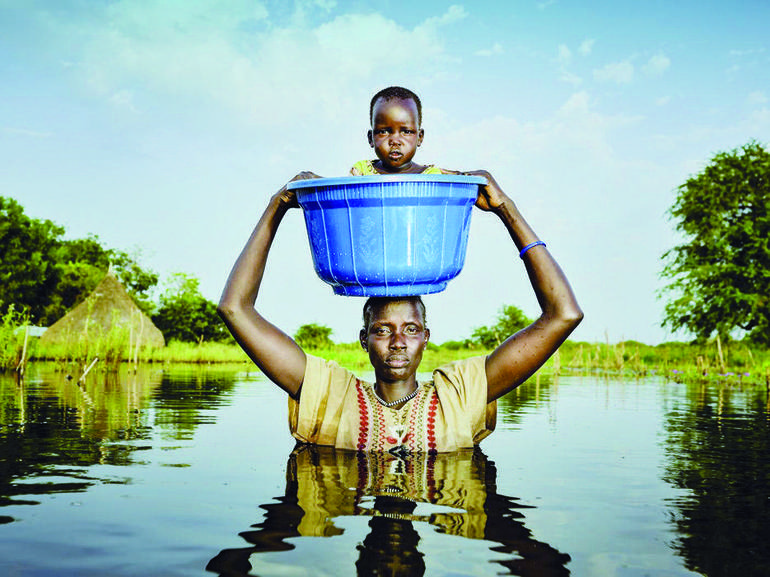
column 164, row 126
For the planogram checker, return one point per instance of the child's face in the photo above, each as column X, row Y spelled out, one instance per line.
column 395, row 133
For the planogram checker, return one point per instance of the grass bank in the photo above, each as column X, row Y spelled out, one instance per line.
column 711, row 362
column 691, row 362
column 353, row 357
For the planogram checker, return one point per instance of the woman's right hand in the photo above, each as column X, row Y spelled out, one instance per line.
column 288, row 198
column 491, row 196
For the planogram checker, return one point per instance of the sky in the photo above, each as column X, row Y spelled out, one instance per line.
column 164, row 126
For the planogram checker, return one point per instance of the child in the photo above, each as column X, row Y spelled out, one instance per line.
column 396, row 116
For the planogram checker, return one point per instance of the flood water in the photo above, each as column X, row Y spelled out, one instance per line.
column 191, row 471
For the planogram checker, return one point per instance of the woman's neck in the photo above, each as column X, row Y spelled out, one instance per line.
column 395, row 390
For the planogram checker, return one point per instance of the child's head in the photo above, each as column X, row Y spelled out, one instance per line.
column 395, row 114
column 395, row 93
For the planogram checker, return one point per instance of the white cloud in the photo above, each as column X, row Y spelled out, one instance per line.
column 759, row 120
column 617, row 72
column 657, row 64
column 454, row 13
column 662, row 100
column 576, row 103
column 124, row 99
column 235, row 58
column 567, row 159
column 747, row 52
column 570, row 78
column 757, row 98
column 586, row 46
column 327, row 5
column 564, row 59
column 497, row 48
column 154, row 19
column 26, row 132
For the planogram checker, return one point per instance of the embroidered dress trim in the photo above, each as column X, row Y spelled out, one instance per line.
column 412, row 427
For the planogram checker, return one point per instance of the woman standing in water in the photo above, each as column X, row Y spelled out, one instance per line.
column 455, row 409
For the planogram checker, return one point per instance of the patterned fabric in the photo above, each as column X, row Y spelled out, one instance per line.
column 332, row 484
column 366, row 168
column 449, row 412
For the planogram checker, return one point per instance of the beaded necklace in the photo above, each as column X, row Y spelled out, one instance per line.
column 403, row 399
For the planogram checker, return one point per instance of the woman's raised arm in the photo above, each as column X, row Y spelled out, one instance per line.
column 516, row 359
column 274, row 352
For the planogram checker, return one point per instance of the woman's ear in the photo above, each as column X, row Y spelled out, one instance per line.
column 362, row 340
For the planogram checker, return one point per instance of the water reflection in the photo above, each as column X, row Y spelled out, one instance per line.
column 454, row 493
column 634, row 477
column 52, row 428
column 719, row 453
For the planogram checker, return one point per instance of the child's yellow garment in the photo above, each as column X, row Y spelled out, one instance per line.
column 366, row 168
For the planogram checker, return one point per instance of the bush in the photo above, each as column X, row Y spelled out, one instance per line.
column 313, row 336
column 509, row 321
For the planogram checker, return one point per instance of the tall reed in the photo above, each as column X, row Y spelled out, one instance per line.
column 13, row 334
column 111, row 346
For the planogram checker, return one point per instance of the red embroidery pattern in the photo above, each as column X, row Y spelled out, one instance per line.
column 431, row 423
column 420, row 421
column 430, row 478
column 363, row 423
column 379, row 432
column 363, row 476
column 416, row 410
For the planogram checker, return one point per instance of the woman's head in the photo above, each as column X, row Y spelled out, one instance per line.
column 395, row 336
column 373, row 304
column 395, row 114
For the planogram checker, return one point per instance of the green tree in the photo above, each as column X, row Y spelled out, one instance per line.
column 720, row 275
column 28, row 273
column 46, row 276
column 313, row 336
column 185, row 315
column 76, row 280
column 510, row 320
column 84, row 262
column 137, row 280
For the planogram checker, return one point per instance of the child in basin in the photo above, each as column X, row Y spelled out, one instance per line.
column 328, row 404
column 395, row 114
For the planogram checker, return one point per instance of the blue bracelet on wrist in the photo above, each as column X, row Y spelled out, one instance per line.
column 529, row 246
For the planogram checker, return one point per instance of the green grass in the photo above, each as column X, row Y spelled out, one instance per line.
column 12, row 339
column 179, row 352
column 710, row 362
column 111, row 346
column 354, row 358
column 118, row 350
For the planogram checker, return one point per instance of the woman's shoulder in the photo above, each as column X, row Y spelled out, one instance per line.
column 460, row 375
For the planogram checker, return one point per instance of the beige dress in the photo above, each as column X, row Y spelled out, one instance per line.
column 449, row 412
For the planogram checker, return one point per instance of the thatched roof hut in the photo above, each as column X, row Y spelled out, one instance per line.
column 107, row 309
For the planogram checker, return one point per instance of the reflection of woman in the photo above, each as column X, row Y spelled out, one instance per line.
column 323, row 484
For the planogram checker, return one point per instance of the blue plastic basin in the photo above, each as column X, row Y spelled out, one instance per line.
column 388, row 235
